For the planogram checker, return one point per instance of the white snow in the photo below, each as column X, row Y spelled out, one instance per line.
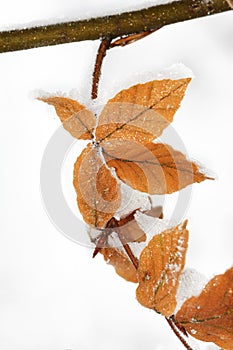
column 191, row 283
column 131, row 200
column 152, row 226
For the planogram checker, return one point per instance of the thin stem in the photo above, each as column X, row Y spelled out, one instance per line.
column 128, row 251
column 114, row 225
column 110, row 26
column 177, row 333
column 104, row 46
column 129, row 39
column 230, row 2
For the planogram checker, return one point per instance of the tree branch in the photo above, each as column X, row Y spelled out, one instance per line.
column 110, row 26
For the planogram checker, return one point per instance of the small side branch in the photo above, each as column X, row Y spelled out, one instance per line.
column 111, row 26
column 128, row 251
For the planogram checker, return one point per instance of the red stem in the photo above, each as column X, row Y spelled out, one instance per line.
column 104, row 46
column 177, row 333
column 128, row 250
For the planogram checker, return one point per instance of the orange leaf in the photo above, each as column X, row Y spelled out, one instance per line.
column 79, row 121
column 154, row 168
column 141, row 112
column 121, row 262
column 209, row 317
column 160, row 266
column 98, row 193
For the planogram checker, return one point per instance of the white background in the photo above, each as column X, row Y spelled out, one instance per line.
column 53, row 296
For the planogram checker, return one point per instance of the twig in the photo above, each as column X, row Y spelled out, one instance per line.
column 104, row 46
column 177, row 333
column 112, row 224
column 129, row 39
column 230, row 2
column 128, row 250
column 110, row 26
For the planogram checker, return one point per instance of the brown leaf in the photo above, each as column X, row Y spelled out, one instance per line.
column 160, row 266
column 121, row 262
column 141, row 112
column 98, row 193
column 79, row 121
column 130, row 229
column 209, row 317
column 154, row 168
column 155, row 212
column 127, row 227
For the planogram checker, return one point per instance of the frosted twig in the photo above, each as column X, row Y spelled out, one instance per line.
column 177, row 333
column 114, row 26
column 104, row 46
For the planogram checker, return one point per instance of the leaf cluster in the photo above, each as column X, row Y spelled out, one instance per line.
column 123, row 148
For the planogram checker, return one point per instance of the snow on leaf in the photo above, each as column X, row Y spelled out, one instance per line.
column 209, row 316
column 141, row 112
column 191, row 284
column 79, row 121
column 98, row 193
column 160, row 266
column 154, row 168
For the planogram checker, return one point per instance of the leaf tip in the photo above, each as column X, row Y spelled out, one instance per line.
column 183, row 226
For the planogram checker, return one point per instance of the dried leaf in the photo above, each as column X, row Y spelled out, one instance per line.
column 154, row 168
column 209, row 317
column 132, row 232
column 121, row 262
column 98, row 193
column 155, row 212
column 160, row 266
column 79, row 121
column 128, row 228
column 141, row 112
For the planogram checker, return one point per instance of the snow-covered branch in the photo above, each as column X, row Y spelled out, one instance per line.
column 110, row 26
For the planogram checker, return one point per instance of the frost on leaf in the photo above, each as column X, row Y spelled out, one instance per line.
column 79, row 121
column 141, row 112
column 160, row 266
column 154, row 168
column 121, row 263
column 123, row 140
column 191, row 284
column 98, row 193
column 209, row 317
